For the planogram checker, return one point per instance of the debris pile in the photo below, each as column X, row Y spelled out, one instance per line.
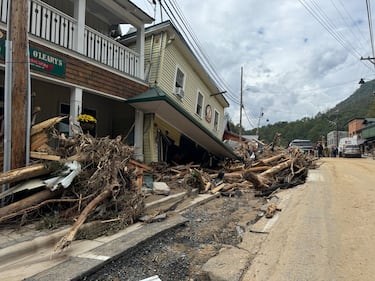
column 96, row 179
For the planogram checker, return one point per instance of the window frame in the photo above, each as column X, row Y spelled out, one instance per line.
column 199, row 106
column 216, row 120
column 176, row 85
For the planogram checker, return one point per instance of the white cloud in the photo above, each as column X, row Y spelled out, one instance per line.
column 293, row 67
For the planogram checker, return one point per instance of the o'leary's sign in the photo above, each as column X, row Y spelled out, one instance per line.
column 40, row 60
column 51, row 64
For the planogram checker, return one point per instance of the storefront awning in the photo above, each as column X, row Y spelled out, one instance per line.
column 158, row 102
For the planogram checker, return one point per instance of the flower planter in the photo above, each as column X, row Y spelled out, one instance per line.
column 87, row 126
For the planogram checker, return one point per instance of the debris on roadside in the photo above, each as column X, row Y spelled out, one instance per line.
column 87, row 179
column 271, row 210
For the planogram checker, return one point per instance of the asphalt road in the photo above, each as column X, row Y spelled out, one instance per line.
column 327, row 230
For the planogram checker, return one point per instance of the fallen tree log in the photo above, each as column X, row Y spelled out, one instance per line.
column 37, row 206
column 271, row 159
column 38, row 140
column 24, row 173
column 258, row 181
column 27, row 202
column 218, row 188
column 37, row 128
column 69, row 237
column 277, row 168
column 264, row 180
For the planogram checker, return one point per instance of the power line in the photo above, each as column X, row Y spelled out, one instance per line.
column 327, row 24
column 248, row 119
column 368, row 7
column 354, row 34
column 185, row 28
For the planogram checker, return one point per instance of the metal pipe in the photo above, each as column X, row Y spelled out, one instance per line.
column 28, row 106
column 8, row 96
column 7, row 103
column 159, row 58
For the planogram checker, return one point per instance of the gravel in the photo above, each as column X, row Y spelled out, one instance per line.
column 179, row 253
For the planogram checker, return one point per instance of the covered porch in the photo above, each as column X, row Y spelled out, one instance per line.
column 88, row 28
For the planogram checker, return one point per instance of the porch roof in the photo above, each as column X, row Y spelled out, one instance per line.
column 155, row 100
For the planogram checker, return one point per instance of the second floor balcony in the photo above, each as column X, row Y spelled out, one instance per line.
column 89, row 27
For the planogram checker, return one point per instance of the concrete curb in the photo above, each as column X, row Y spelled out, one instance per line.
column 30, row 246
column 79, row 266
column 85, row 256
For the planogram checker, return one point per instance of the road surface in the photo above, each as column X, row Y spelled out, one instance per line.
column 327, row 230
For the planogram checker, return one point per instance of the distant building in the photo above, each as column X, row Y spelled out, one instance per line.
column 368, row 133
column 333, row 140
column 355, row 126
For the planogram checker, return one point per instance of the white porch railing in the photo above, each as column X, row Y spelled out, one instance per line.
column 54, row 26
column 109, row 52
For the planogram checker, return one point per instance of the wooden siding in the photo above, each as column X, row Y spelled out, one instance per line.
column 173, row 58
column 82, row 73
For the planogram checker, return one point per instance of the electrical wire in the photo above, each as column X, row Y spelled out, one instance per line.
column 248, row 119
column 316, row 12
column 349, row 25
column 369, row 18
column 322, row 18
column 186, row 29
column 206, row 57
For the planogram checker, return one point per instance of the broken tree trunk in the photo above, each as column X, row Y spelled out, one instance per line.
column 27, row 202
column 263, row 180
column 69, row 237
column 38, row 140
column 258, row 181
column 40, row 127
column 218, row 188
column 272, row 159
column 23, row 173
column 107, row 192
column 277, row 168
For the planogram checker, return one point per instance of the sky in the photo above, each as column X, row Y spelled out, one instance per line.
column 299, row 57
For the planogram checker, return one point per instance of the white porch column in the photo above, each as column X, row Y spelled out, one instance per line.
column 75, row 106
column 79, row 15
column 138, row 136
column 140, row 48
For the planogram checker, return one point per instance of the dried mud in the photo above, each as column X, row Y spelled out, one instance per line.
column 179, row 253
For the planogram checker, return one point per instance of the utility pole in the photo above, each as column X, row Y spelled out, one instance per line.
column 241, row 106
column 337, row 128
column 19, row 86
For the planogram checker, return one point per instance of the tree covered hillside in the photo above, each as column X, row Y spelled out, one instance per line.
column 360, row 104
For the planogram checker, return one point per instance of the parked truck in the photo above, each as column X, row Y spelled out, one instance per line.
column 349, row 147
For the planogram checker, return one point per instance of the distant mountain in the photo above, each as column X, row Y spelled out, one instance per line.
column 360, row 104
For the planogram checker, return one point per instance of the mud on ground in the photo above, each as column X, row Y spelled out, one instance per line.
column 179, row 253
